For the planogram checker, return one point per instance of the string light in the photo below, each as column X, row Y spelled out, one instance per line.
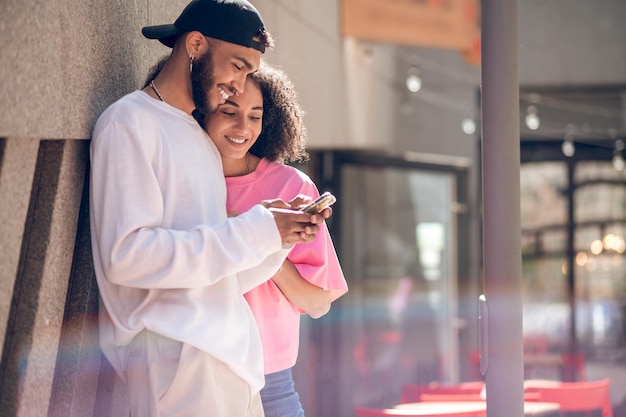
column 537, row 126
column 572, row 106
column 618, row 159
column 568, row 148
column 552, row 128
column 532, row 119
column 469, row 126
column 413, row 80
column 542, row 127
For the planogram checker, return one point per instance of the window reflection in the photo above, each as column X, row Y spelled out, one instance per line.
column 599, row 198
column 401, row 273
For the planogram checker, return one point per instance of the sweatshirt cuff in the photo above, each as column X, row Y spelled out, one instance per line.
column 265, row 226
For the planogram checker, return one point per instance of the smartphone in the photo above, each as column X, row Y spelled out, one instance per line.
column 323, row 201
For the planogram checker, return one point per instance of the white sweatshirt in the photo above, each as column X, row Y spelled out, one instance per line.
column 165, row 254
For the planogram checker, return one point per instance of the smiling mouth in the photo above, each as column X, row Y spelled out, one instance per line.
column 238, row 141
column 223, row 93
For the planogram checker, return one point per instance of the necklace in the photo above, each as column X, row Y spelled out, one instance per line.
column 247, row 171
column 156, row 91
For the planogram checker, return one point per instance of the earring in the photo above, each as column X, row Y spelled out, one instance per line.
column 190, row 62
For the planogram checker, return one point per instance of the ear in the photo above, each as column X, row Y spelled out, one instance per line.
column 195, row 43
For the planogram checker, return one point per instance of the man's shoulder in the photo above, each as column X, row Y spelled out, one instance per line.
column 126, row 114
column 128, row 109
column 131, row 102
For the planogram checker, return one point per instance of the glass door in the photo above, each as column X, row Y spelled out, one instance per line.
column 396, row 232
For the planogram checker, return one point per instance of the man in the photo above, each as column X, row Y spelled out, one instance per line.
column 171, row 267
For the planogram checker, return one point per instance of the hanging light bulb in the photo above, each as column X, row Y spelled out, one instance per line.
column 468, row 125
column 568, row 148
column 413, row 80
column 532, row 119
column 618, row 159
column 618, row 162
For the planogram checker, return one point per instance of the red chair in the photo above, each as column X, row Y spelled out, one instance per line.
column 451, row 397
column 575, row 396
column 535, row 343
column 528, row 396
column 375, row 412
column 412, row 392
column 573, row 368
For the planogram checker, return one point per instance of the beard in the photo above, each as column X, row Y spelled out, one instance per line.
column 202, row 82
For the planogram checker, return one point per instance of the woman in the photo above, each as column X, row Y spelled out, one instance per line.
column 257, row 132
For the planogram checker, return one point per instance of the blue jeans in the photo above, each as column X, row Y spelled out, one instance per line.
column 279, row 396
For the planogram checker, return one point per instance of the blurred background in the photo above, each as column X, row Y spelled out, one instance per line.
column 391, row 90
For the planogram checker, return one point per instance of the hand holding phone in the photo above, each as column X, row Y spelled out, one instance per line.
column 323, row 201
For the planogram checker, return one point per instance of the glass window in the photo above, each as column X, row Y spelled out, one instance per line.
column 400, row 262
column 599, row 229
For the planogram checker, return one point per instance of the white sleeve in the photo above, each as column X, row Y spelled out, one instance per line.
column 129, row 246
column 251, row 278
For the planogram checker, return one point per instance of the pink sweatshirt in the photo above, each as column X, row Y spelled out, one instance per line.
column 277, row 318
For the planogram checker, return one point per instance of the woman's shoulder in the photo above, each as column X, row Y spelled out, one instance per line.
column 287, row 171
column 289, row 176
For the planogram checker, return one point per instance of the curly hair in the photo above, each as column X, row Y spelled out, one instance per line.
column 283, row 136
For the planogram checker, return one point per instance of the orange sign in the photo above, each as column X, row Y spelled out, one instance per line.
column 448, row 24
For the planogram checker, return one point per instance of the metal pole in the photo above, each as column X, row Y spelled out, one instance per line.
column 501, row 208
column 570, row 368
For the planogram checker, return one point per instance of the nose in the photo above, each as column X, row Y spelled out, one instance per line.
column 241, row 124
column 239, row 82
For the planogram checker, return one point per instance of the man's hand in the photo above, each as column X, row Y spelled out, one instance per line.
column 293, row 225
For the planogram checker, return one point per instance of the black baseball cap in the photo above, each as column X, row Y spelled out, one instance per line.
column 234, row 21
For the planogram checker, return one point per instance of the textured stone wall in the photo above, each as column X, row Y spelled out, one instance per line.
column 62, row 63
